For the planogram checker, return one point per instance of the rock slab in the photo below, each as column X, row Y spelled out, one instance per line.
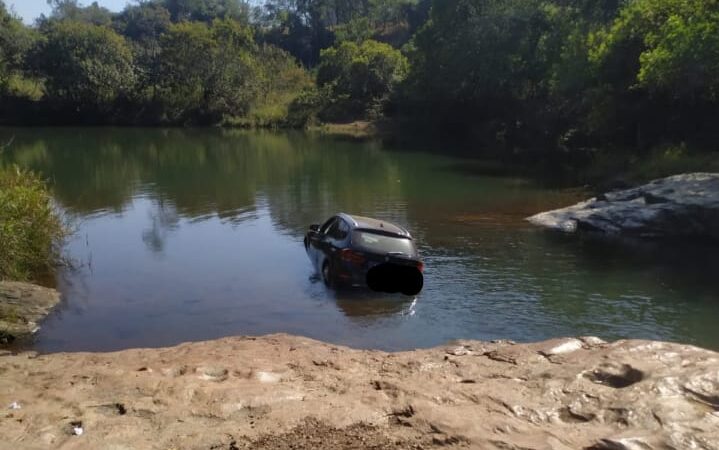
column 22, row 307
column 283, row 392
column 684, row 205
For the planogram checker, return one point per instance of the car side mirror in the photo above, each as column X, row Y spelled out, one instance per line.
column 314, row 227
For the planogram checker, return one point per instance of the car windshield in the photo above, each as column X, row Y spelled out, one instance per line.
column 380, row 243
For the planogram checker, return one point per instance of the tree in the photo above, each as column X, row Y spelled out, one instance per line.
column 356, row 30
column 361, row 74
column 514, row 72
column 207, row 10
column 15, row 41
column 297, row 26
column 390, row 11
column 142, row 25
column 673, row 46
column 83, row 64
column 143, row 22
column 207, row 71
column 73, row 10
column 472, row 50
column 305, row 27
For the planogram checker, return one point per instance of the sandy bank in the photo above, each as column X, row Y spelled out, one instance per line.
column 289, row 392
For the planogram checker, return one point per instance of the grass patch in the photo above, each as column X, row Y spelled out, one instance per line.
column 622, row 169
column 356, row 129
column 269, row 112
column 31, row 231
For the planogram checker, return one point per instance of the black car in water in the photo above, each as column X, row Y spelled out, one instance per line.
column 360, row 251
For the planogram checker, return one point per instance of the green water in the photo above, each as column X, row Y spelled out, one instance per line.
column 184, row 235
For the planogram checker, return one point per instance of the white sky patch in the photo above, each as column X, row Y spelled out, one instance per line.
column 29, row 10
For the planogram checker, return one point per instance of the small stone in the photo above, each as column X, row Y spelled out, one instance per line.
column 629, row 443
column 268, row 377
column 459, row 351
column 568, row 346
column 174, row 372
column 213, row 373
column 592, row 340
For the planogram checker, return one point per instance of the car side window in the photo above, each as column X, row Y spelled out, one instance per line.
column 326, row 226
column 343, row 230
column 339, row 231
column 332, row 232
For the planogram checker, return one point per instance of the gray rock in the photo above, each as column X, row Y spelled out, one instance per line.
column 22, row 307
column 678, row 206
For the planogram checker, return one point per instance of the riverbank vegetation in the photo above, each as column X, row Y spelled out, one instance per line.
column 31, row 231
column 507, row 76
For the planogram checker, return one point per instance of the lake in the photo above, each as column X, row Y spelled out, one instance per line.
column 184, row 235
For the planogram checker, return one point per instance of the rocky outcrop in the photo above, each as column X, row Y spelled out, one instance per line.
column 284, row 392
column 22, row 307
column 678, row 206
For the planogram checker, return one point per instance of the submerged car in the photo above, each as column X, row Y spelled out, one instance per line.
column 360, row 251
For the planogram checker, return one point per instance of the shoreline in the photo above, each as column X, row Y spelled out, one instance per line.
column 360, row 130
column 282, row 391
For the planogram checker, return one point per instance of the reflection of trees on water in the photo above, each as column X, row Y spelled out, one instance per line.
column 201, row 173
column 164, row 219
column 658, row 284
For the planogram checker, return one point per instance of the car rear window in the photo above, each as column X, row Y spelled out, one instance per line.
column 380, row 243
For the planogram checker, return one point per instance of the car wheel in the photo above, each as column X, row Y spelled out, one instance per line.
column 327, row 274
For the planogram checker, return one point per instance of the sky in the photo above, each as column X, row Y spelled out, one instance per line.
column 30, row 10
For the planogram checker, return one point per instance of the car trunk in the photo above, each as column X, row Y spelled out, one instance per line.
column 394, row 273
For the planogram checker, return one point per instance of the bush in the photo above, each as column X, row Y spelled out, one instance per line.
column 84, row 64
column 31, row 231
column 306, row 108
column 359, row 76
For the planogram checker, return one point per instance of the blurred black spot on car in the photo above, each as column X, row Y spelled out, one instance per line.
column 359, row 251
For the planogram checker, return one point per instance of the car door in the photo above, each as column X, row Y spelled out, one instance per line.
column 328, row 243
column 318, row 243
column 337, row 238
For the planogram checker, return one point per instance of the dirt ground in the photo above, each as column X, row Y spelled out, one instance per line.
column 286, row 392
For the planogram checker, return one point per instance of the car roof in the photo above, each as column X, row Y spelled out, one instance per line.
column 368, row 223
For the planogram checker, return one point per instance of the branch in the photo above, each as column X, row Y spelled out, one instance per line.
column 9, row 143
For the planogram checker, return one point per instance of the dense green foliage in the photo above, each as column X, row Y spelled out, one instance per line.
column 306, row 27
column 72, row 10
column 15, row 41
column 83, row 63
column 30, row 229
column 678, row 43
column 222, row 84
column 156, row 62
column 509, row 74
column 557, row 74
column 358, row 77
